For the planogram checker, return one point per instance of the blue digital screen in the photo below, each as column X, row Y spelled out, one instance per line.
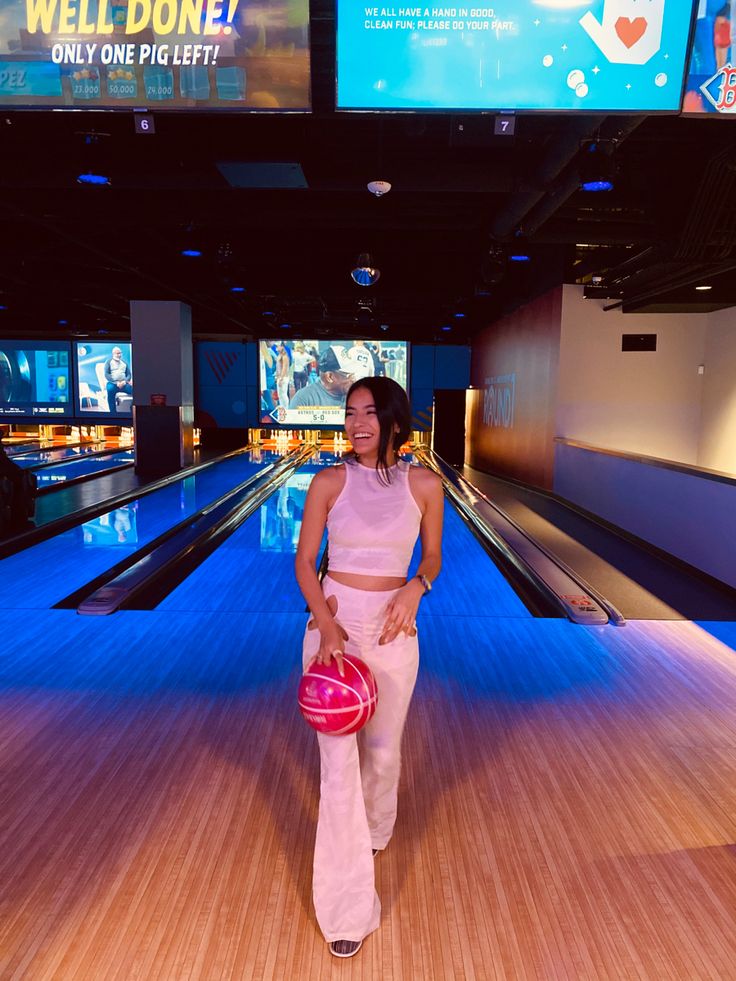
column 34, row 380
column 305, row 382
column 590, row 55
column 105, row 379
column 711, row 80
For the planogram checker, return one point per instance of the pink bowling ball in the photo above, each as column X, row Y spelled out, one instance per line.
column 335, row 705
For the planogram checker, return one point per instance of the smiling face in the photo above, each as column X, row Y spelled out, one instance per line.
column 362, row 426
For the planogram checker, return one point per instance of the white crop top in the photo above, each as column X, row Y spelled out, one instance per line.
column 372, row 527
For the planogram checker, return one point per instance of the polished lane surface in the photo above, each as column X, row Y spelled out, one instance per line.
column 253, row 570
column 61, row 473
column 40, row 576
column 40, row 457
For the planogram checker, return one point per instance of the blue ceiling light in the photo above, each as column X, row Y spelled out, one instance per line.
column 596, row 186
column 63, row 323
column 191, row 253
column 447, row 326
column 237, row 289
column 3, row 307
column 519, row 257
column 93, row 180
column 459, row 316
column 596, row 167
column 285, row 326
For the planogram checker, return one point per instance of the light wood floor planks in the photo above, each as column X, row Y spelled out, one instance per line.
column 568, row 808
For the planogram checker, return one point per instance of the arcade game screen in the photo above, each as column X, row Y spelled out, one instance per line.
column 589, row 55
column 105, row 379
column 202, row 54
column 304, row 383
column 34, row 379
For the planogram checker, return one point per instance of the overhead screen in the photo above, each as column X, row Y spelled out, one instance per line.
column 35, row 380
column 604, row 55
column 711, row 78
column 104, row 380
column 204, row 54
column 304, row 383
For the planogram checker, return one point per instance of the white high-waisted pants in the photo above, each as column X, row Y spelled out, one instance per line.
column 360, row 772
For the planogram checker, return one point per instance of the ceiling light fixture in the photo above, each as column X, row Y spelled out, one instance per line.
column 191, row 253
column 365, row 273
column 703, row 287
column 379, row 188
column 595, row 166
column 93, row 180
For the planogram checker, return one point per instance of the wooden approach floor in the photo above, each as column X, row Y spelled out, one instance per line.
column 568, row 807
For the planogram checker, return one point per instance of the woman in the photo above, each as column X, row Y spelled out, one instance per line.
column 374, row 507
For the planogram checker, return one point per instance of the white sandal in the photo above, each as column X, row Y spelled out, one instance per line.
column 345, row 948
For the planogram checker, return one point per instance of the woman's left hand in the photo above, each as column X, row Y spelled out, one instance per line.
column 401, row 612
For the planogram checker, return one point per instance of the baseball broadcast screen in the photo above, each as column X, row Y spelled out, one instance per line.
column 304, row 383
column 202, row 54
column 589, row 55
column 35, row 380
column 711, row 78
column 105, row 379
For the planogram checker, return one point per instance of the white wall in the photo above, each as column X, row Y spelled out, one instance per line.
column 717, row 449
column 687, row 515
column 639, row 402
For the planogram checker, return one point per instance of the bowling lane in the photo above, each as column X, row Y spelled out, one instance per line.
column 57, row 474
column 42, row 575
column 253, row 571
column 60, row 454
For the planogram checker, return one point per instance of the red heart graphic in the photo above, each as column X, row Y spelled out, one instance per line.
column 630, row 30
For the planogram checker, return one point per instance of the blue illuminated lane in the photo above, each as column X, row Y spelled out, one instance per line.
column 59, row 454
column 41, row 576
column 58, row 474
column 253, row 570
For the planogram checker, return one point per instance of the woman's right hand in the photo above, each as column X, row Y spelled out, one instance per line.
column 332, row 639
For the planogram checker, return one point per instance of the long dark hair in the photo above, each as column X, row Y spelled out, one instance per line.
column 393, row 410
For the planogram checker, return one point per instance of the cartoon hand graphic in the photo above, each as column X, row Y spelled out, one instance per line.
column 631, row 31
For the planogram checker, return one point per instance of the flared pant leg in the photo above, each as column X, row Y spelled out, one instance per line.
column 359, row 775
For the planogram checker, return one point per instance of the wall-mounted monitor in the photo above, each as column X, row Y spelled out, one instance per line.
column 304, row 383
column 558, row 55
column 35, row 380
column 105, row 378
column 178, row 54
column 711, row 77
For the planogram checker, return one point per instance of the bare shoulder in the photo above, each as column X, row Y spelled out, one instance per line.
column 424, row 477
column 328, row 483
column 425, row 484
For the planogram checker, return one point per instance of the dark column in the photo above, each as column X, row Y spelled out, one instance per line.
column 448, row 439
column 161, row 333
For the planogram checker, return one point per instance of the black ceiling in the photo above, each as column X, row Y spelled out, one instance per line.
column 79, row 254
